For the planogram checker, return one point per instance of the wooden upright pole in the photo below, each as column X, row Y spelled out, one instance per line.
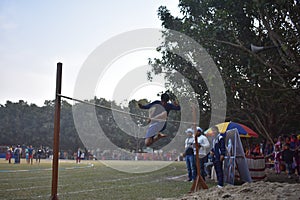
column 56, row 133
column 199, row 182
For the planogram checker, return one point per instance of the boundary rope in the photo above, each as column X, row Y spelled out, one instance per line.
column 116, row 110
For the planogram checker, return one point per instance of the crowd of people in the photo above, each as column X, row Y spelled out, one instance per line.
column 208, row 156
column 285, row 154
column 27, row 152
column 282, row 154
column 117, row 154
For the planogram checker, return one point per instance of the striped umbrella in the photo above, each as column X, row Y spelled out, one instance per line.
column 243, row 130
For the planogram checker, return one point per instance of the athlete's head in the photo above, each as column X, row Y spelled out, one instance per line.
column 164, row 98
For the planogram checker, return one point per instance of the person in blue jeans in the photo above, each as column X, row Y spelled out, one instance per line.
column 288, row 157
column 189, row 155
column 218, row 154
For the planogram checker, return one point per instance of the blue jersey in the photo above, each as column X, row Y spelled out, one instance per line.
column 160, row 108
column 218, row 147
column 30, row 151
column 158, row 126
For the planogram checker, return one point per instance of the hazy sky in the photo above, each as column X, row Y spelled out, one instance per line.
column 35, row 35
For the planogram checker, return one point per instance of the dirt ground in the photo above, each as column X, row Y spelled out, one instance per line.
column 273, row 187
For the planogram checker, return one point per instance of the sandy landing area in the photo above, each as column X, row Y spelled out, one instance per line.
column 274, row 187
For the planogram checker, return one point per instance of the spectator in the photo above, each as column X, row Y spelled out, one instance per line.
column 82, row 156
column 39, row 154
column 17, row 154
column 256, row 150
column 218, row 154
column 288, row 158
column 9, row 153
column 277, row 159
column 294, row 142
column 203, row 146
column 287, row 140
column 279, row 142
column 30, row 154
column 268, row 148
column 27, row 154
column 189, row 155
column 78, row 155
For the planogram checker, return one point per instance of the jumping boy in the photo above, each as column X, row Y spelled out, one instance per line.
column 159, row 113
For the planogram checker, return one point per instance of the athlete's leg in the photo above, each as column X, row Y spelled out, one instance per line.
column 149, row 141
column 159, row 136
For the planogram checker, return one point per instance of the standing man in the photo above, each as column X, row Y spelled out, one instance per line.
column 30, row 154
column 17, row 154
column 203, row 150
column 218, row 154
column 288, row 157
column 189, row 154
column 39, row 153
column 27, row 154
column 159, row 113
column 78, row 155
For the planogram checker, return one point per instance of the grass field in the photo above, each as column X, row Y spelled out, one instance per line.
column 91, row 180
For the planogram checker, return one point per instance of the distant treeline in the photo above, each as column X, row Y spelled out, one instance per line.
column 29, row 124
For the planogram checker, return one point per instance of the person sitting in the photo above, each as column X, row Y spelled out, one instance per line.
column 256, row 150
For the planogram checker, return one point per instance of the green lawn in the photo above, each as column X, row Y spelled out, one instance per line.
column 91, row 180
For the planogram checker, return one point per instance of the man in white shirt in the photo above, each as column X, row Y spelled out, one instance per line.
column 204, row 147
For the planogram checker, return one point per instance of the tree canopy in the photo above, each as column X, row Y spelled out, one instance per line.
column 262, row 87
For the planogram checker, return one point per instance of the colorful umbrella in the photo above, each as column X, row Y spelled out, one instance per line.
column 243, row 130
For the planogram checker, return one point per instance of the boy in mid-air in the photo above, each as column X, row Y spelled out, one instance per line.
column 159, row 111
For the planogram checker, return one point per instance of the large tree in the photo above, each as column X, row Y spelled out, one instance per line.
column 262, row 87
